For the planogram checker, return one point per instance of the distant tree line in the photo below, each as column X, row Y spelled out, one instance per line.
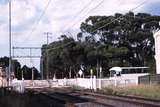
column 104, row 41
column 17, row 69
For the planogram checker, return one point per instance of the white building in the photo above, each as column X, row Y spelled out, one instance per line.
column 157, row 51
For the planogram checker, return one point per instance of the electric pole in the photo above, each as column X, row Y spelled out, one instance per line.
column 48, row 33
column 47, row 72
column 31, row 64
column 47, row 66
column 10, row 58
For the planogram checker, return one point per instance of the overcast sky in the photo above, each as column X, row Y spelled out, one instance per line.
column 31, row 18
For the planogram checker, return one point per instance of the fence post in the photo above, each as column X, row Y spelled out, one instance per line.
column 100, row 80
column 100, row 83
column 65, row 82
column 91, row 78
column 94, row 83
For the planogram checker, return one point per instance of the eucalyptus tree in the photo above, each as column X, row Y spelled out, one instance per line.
column 128, row 37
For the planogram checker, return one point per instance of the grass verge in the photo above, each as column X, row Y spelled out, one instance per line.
column 148, row 91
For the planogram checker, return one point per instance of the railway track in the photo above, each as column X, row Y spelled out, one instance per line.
column 74, row 98
column 66, row 98
column 122, row 100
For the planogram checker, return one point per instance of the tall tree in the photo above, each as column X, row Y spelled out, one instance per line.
column 129, row 33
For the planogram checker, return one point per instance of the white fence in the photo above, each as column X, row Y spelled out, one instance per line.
column 93, row 83
column 89, row 83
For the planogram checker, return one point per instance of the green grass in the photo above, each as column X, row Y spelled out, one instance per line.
column 149, row 91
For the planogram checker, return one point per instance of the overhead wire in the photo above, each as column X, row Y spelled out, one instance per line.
column 82, row 10
column 34, row 28
column 119, row 16
column 38, row 21
column 87, row 13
